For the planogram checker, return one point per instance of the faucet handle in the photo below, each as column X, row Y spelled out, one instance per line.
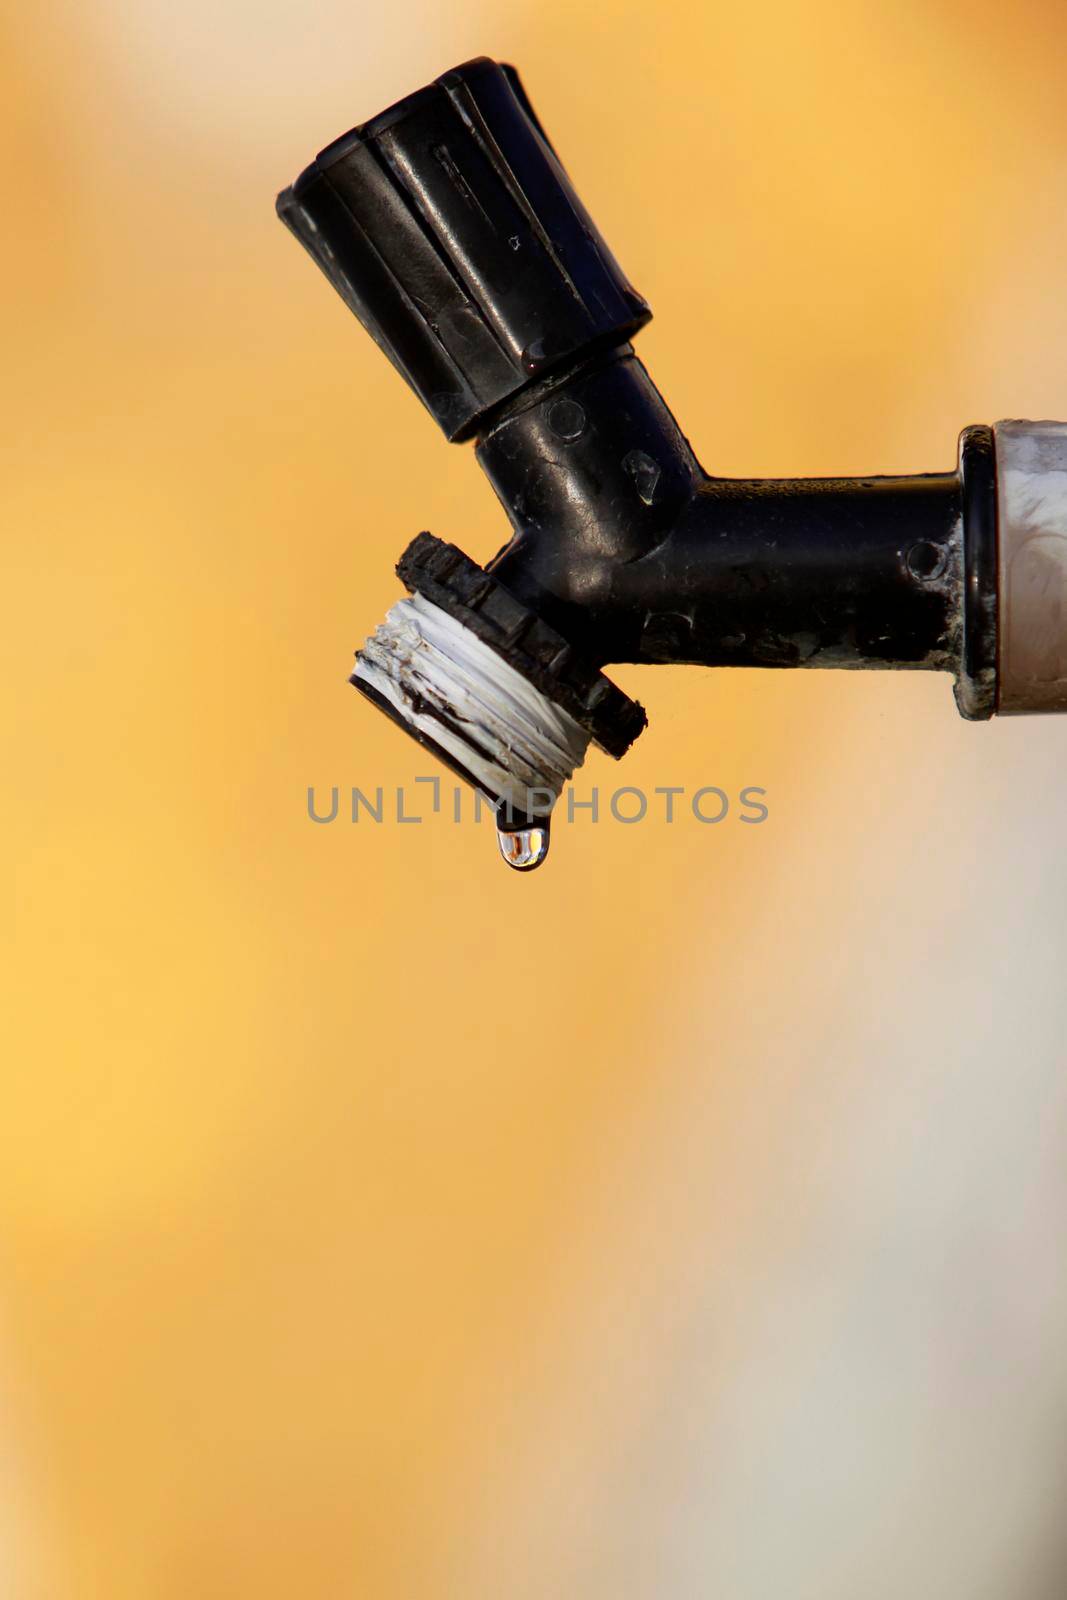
column 449, row 227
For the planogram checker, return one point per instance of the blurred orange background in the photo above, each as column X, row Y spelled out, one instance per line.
column 686, row 1219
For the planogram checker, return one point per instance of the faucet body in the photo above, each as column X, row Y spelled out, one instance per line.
column 449, row 226
column 621, row 539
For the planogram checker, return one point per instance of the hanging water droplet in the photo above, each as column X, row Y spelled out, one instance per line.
column 524, row 845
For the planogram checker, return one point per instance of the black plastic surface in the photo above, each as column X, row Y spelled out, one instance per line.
column 449, row 227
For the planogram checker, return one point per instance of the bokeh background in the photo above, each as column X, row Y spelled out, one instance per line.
column 687, row 1219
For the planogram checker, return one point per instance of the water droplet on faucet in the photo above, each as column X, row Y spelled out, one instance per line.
column 645, row 472
column 523, row 843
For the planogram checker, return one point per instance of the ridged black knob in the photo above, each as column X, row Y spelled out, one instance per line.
column 451, row 230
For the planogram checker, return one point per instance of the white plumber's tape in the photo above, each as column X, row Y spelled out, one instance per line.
column 442, row 680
